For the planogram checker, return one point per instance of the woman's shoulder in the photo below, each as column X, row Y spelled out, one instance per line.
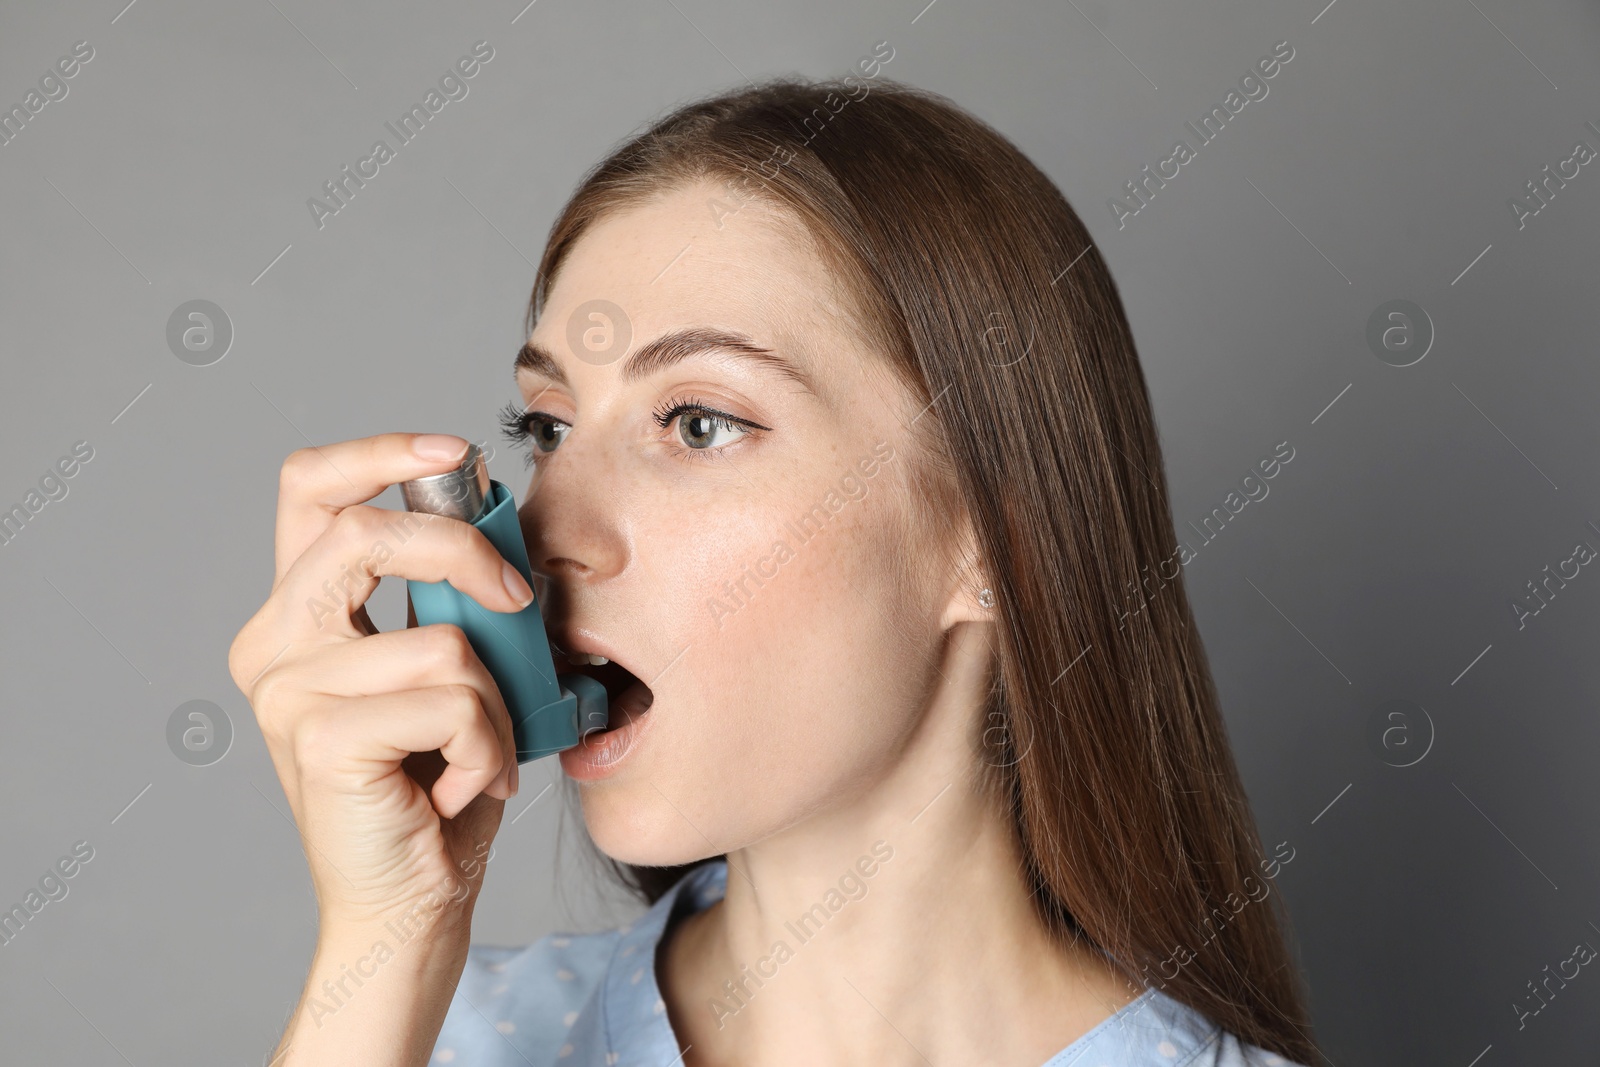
column 1157, row 1030
column 567, row 963
column 568, row 997
column 1232, row 1052
column 517, row 1001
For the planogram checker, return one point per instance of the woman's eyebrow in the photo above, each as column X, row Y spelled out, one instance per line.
column 671, row 348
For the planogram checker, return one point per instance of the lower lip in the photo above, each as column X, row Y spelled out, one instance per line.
column 599, row 755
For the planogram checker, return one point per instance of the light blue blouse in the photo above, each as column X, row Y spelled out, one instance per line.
column 592, row 1000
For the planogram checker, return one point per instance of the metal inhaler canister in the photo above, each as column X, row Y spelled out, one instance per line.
column 549, row 712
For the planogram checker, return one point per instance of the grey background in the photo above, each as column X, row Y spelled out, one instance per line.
column 1381, row 566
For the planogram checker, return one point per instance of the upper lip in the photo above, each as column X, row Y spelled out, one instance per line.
column 576, row 639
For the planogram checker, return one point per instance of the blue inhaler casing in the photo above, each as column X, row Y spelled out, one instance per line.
column 549, row 712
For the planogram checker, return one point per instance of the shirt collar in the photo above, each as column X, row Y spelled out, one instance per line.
column 1153, row 1027
column 633, row 1014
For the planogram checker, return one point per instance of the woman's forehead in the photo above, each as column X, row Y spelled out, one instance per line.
column 673, row 262
column 683, row 245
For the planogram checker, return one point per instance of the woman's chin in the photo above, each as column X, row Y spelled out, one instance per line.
column 652, row 847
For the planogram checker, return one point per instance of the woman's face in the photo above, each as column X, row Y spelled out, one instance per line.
column 758, row 564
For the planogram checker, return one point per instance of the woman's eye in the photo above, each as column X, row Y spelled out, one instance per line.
column 545, row 433
column 536, row 431
column 700, row 429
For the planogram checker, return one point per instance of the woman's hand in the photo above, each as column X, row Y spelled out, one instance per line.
column 394, row 749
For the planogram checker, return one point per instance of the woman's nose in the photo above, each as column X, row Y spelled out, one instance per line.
column 571, row 520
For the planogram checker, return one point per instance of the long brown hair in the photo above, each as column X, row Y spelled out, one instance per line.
column 979, row 283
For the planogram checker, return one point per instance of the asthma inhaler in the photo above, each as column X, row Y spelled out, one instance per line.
column 549, row 712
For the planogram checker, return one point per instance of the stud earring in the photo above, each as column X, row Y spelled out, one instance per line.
column 986, row 597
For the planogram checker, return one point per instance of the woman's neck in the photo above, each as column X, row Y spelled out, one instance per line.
column 937, row 954
column 899, row 930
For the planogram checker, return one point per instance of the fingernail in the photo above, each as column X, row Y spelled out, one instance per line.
column 514, row 777
column 437, row 446
column 515, row 585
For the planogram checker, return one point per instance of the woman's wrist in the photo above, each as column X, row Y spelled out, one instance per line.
column 377, row 992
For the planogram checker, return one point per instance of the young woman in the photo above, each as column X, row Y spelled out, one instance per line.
column 844, row 464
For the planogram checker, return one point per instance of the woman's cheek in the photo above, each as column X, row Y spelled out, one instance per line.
column 809, row 656
column 713, row 562
column 792, row 633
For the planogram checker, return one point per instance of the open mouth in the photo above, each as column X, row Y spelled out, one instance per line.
column 627, row 697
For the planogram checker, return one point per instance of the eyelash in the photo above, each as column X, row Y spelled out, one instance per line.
column 516, row 425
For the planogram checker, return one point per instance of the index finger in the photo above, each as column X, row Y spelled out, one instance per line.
column 319, row 481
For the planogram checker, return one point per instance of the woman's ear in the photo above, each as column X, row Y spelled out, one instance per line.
column 971, row 595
